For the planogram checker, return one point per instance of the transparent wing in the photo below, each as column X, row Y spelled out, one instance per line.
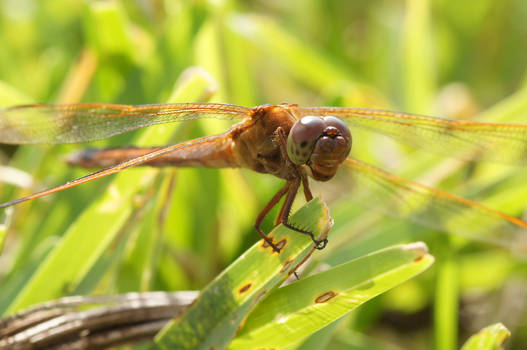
column 396, row 196
column 57, row 124
column 138, row 160
column 469, row 140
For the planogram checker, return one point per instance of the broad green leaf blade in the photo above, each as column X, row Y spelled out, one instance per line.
column 489, row 338
column 91, row 234
column 294, row 312
column 317, row 340
column 216, row 315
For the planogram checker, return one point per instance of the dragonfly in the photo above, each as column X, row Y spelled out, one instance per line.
column 292, row 143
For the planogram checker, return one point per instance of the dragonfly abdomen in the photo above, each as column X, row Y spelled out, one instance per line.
column 210, row 152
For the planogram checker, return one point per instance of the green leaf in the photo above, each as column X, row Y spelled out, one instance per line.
column 489, row 338
column 294, row 312
column 216, row 315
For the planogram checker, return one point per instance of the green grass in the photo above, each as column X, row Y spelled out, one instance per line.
column 169, row 229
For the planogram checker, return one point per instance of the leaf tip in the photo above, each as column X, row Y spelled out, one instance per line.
column 420, row 248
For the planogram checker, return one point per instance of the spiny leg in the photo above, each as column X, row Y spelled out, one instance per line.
column 286, row 210
column 276, row 198
column 307, row 194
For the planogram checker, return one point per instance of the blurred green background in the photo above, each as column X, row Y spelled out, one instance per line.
column 447, row 58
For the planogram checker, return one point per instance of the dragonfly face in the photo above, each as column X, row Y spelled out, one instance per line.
column 322, row 143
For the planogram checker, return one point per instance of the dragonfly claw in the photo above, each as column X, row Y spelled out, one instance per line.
column 320, row 244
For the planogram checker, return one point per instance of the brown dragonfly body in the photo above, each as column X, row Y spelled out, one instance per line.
column 291, row 143
column 257, row 143
column 249, row 144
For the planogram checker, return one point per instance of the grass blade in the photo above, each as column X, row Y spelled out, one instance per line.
column 294, row 312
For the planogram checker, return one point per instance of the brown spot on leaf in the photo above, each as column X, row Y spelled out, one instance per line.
column 322, row 298
column 419, row 258
column 278, row 245
column 259, row 297
column 266, row 245
column 281, row 244
column 286, row 265
column 245, row 288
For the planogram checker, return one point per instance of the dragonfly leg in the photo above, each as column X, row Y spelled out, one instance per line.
column 305, row 186
column 283, row 217
column 307, row 194
column 276, row 198
column 282, row 141
column 286, row 210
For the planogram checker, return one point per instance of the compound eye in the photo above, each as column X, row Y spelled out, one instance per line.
column 302, row 138
column 339, row 125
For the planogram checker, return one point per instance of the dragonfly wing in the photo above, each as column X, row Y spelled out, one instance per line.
column 399, row 197
column 468, row 140
column 138, row 160
column 55, row 124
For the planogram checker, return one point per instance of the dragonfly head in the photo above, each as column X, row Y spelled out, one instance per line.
column 321, row 143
